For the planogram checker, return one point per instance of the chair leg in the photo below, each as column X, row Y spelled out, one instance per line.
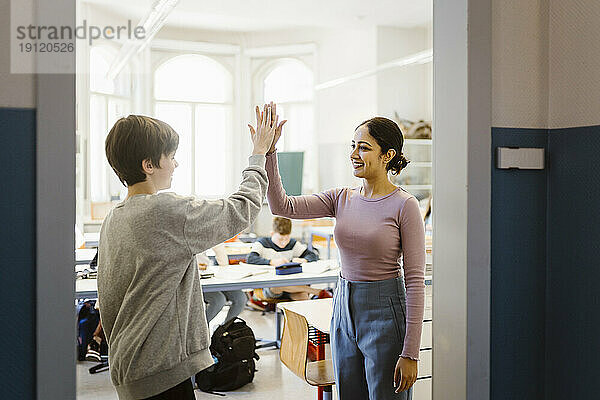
column 278, row 327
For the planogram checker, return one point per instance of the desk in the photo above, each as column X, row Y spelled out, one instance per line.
column 317, row 312
column 88, row 288
column 91, row 239
column 84, row 256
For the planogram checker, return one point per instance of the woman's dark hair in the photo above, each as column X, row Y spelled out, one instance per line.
column 388, row 136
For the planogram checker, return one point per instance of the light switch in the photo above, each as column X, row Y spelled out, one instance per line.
column 519, row 157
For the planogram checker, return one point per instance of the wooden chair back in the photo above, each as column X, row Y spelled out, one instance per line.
column 294, row 343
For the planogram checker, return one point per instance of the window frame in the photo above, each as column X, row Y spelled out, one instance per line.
column 111, row 50
column 271, row 58
column 164, row 51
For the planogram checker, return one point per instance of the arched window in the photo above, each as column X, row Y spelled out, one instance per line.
column 109, row 101
column 194, row 94
column 290, row 83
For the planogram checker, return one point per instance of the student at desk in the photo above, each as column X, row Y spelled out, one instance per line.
column 148, row 283
column 279, row 249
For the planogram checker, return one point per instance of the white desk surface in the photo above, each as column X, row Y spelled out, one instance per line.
column 263, row 277
column 84, row 256
column 317, row 312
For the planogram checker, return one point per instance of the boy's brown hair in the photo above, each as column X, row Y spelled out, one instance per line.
column 134, row 139
column 281, row 225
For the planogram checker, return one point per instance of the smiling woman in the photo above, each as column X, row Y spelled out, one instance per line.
column 377, row 144
column 378, row 310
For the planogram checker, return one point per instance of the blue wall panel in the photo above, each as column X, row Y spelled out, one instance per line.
column 518, row 268
column 573, row 278
column 17, row 253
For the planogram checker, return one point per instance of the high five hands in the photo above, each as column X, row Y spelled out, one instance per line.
column 267, row 124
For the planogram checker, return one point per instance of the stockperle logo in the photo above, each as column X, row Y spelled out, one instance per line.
column 46, row 41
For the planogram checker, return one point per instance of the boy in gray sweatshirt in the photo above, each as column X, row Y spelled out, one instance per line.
column 148, row 284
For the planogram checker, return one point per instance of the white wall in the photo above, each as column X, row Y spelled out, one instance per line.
column 405, row 90
column 16, row 90
column 574, row 63
column 545, row 63
column 520, row 63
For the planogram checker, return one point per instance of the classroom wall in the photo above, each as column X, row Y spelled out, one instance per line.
column 17, row 90
column 542, row 224
column 405, row 90
column 574, row 58
column 573, row 278
column 17, row 213
column 520, row 63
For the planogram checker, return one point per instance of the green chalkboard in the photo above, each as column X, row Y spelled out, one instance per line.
column 291, row 164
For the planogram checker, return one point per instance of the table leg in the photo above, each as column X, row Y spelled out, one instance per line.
column 278, row 326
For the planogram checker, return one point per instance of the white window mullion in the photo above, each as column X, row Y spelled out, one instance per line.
column 193, row 166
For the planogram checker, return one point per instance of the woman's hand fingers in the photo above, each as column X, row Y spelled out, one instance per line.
column 252, row 131
column 405, row 374
column 281, row 126
column 397, row 375
column 407, row 383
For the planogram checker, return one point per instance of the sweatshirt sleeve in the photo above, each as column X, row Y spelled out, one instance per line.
column 412, row 233
column 256, row 259
column 209, row 222
column 298, row 207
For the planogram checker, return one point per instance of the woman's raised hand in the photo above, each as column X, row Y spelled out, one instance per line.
column 279, row 126
column 262, row 136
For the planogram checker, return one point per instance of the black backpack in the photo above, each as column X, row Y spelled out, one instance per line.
column 87, row 321
column 233, row 345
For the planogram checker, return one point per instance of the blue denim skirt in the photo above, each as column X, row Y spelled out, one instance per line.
column 367, row 336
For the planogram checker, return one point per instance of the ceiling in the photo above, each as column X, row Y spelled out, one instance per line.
column 264, row 15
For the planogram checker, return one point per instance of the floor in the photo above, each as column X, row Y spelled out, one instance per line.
column 272, row 380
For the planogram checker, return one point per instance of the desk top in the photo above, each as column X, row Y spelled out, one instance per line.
column 317, row 312
column 235, row 278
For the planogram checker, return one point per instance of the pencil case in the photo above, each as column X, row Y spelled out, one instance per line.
column 288, row 268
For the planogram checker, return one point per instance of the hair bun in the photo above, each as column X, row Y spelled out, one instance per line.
column 398, row 163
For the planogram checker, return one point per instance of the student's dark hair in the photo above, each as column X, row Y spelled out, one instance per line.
column 388, row 135
column 134, row 139
column 282, row 225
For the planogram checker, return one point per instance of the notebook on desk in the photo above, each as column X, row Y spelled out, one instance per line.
column 319, row 267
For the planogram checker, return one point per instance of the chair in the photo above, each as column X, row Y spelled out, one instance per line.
column 293, row 354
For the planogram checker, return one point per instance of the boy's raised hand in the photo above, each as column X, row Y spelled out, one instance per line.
column 262, row 136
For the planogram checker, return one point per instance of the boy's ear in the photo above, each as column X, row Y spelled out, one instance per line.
column 147, row 166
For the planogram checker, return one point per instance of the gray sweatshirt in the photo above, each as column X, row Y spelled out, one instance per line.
column 149, row 289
